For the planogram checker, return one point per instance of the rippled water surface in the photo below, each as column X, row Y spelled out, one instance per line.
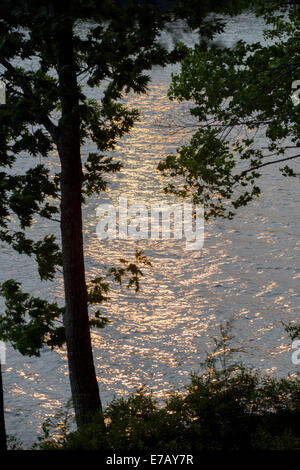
column 248, row 270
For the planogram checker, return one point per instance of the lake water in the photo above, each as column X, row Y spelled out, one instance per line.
column 248, row 271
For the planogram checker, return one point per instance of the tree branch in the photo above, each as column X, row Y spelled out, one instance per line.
column 265, row 164
column 22, row 82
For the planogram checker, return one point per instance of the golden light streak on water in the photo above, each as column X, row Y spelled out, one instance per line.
column 248, row 270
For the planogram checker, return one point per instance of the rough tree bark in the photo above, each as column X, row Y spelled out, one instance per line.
column 84, row 386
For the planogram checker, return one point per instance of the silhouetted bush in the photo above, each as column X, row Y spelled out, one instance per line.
column 226, row 408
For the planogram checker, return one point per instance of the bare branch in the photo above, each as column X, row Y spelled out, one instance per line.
column 238, row 177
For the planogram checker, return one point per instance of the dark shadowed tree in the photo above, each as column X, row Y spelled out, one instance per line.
column 46, row 109
column 244, row 90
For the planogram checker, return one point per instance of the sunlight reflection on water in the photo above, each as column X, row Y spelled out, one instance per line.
column 248, row 270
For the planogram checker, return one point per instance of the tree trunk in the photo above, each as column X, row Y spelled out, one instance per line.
column 2, row 421
column 84, row 386
column 83, row 380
